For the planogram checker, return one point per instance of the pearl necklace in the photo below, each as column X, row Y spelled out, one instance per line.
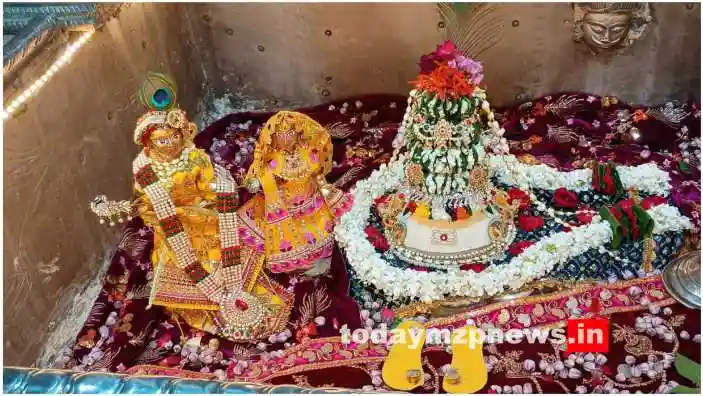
column 166, row 169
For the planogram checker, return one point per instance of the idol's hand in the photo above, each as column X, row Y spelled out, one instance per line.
column 107, row 210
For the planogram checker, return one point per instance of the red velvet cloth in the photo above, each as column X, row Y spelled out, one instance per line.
column 562, row 130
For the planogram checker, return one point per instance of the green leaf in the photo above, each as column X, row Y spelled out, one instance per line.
column 688, row 368
column 601, row 175
column 644, row 221
column 686, row 390
column 614, row 226
column 464, row 105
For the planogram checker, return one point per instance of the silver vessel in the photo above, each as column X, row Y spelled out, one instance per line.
column 682, row 278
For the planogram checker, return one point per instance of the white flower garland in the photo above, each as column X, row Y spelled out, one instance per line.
column 647, row 178
column 535, row 262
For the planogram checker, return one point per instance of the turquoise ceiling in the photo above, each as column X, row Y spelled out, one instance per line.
column 25, row 22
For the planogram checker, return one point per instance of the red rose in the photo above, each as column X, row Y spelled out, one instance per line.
column 564, row 198
column 609, row 181
column 530, row 223
column 650, row 202
column 475, row 267
column 376, row 238
column 305, row 332
column 584, row 217
column 518, row 247
column 420, row 269
column 517, row 195
column 626, row 203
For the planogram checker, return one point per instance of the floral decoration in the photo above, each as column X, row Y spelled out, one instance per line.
column 565, row 199
column 530, row 223
column 647, row 178
column 535, row 262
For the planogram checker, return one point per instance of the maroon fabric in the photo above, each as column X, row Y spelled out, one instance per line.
column 562, row 130
column 511, row 360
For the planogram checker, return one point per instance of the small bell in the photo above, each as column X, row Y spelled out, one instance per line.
column 102, row 221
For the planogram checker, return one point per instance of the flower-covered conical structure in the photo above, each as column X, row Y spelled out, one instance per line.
column 451, row 213
column 448, row 124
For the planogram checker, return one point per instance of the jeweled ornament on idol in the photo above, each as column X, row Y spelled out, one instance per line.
column 191, row 205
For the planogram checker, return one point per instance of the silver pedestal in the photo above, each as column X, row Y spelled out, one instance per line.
column 682, row 279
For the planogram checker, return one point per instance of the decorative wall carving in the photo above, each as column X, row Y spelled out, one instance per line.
column 610, row 27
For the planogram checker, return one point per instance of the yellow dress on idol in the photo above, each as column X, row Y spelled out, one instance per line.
column 290, row 223
column 198, row 271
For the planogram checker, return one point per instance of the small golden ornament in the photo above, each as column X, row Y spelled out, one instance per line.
column 528, row 159
column 176, row 119
column 414, row 174
column 442, row 133
column 478, row 178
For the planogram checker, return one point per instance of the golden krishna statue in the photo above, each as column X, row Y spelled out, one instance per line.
column 191, row 204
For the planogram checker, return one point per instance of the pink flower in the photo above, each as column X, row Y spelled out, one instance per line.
column 444, row 53
column 446, row 50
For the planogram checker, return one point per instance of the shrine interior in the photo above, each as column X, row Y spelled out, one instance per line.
column 228, row 191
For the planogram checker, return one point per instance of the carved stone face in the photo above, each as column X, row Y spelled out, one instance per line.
column 166, row 143
column 605, row 31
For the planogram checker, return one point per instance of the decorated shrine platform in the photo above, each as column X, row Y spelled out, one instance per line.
column 557, row 136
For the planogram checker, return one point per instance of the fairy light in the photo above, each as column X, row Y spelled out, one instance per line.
column 55, row 67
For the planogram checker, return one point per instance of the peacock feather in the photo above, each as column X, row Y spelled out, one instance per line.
column 472, row 27
column 157, row 92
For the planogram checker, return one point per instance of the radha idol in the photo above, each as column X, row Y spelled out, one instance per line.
column 289, row 224
column 191, row 205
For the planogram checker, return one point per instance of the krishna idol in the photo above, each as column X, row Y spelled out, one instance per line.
column 191, row 204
